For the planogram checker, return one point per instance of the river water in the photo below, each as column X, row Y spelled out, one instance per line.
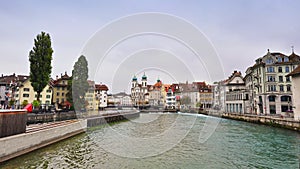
column 170, row 141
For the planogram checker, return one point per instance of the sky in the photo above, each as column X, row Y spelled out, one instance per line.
column 238, row 32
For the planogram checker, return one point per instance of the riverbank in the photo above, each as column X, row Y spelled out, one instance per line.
column 275, row 121
column 287, row 123
column 41, row 135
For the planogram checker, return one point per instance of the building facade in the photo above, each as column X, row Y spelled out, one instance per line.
column 268, row 85
column 101, row 95
column 295, row 74
column 236, row 94
column 25, row 91
column 139, row 92
column 60, row 89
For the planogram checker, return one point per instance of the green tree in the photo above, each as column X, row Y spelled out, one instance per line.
column 79, row 83
column 24, row 103
column 36, row 104
column 198, row 104
column 40, row 58
column 11, row 102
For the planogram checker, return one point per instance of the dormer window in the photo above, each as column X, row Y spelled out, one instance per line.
column 269, row 61
column 286, row 59
column 279, row 59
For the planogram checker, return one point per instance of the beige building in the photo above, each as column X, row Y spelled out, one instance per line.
column 90, row 97
column 59, row 87
column 25, row 91
column 296, row 92
column 269, row 87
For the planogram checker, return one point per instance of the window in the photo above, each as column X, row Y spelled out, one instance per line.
column 284, row 108
column 62, row 88
column 272, row 98
column 280, row 69
column 287, row 69
column 57, row 94
column 269, row 61
column 271, row 78
column 26, row 89
column 279, row 59
column 36, row 96
column 270, row 69
column 48, row 91
column 281, row 88
column 285, row 98
column 62, row 94
column 286, row 59
column 62, row 100
column 272, row 109
column 47, row 102
column 57, row 100
column 272, row 88
column 280, row 78
column 25, row 95
column 48, row 96
column 288, row 79
column 288, row 88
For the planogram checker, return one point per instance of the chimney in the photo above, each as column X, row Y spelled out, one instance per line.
column 56, row 77
column 61, row 75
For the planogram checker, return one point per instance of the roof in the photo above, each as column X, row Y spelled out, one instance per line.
column 101, row 87
column 295, row 71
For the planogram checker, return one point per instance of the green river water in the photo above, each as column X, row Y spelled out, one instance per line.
column 170, row 141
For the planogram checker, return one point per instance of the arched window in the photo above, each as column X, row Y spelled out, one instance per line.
column 286, row 98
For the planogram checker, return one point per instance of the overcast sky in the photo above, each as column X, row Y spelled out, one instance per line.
column 239, row 30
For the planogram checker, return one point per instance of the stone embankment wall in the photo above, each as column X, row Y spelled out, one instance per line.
column 17, row 145
column 268, row 120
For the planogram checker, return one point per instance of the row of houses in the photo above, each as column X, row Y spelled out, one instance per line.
column 17, row 89
column 266, row 88
column 170, row 96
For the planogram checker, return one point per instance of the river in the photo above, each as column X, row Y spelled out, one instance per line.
column 170, row 141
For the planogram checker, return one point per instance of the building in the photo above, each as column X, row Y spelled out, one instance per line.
column 90, row 97
column 236, row 94
column 120, row 99
column 295, row 74
column 189, row 95
column 139, row 92
column 25, row 93
column 101, row 95
column 60, row 89
column 205, row 95
column 219, row 96
column 155, row 94
column 269, row 87
column 8, row 86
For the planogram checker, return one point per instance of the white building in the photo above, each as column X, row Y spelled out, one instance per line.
column 296, row 92
column 235, row 93
column 101, row 95
column 170, row 100
column 139, row 92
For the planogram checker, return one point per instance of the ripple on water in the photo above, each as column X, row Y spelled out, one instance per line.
column 234, row 144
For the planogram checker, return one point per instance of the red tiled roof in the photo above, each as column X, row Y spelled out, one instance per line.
column 101, row 87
